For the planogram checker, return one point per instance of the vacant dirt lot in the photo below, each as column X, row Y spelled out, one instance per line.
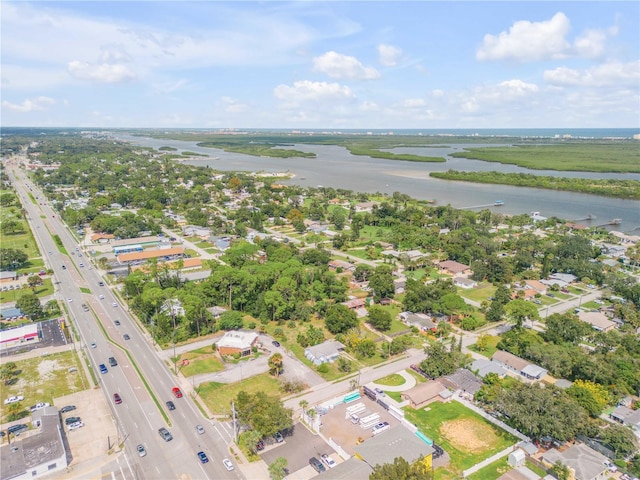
column 92, row 440
column 467, row 435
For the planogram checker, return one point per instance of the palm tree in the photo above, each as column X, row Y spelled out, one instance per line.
column 275, row 364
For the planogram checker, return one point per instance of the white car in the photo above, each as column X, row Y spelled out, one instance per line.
column 328, row 461
column 114, row 304
column 39, row 406
column 75, row 425
column 69, row 300
column 227, row 463
column 15, row 399
column 93, row 344
column 101, row 297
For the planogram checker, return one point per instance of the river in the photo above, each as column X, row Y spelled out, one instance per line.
column 335, row 167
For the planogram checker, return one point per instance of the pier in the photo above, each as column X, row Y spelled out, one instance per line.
column 615, row 221
column 591, row 216
column 497, row 203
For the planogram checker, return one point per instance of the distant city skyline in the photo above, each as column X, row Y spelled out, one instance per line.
column 330, row 65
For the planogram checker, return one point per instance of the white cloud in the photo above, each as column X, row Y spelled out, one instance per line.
column 527, row 41
column 304, row 91
column 164, row 88
column 389, row 55
column 103, row 73
column 30, row 104
column 339, row 66
column 612, row 74
column 231, row 105
column 413, row 103
column 368, row 106
column 437, row 93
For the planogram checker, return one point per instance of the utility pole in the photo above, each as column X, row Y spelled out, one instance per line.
column 235, row 429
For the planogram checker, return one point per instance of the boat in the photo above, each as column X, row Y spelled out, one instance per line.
column 497, row 203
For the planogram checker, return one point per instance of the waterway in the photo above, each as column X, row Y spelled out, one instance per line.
column 335, row 167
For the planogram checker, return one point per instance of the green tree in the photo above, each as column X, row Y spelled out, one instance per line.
column 400, row 469
column 439, row 360
column 381, row 282
column 263, row 413
column 277, row 468
column 344, row 365
column 565, row 328
column 275, row 364
column 230, row 320
column 561, row 471
column 520, row 310
column 366, row 348
column 30, row 305
column 339, row 318
column 8, row 371
column 379, row 318
column 592, row 396
column 621, row 439
column 12, row 258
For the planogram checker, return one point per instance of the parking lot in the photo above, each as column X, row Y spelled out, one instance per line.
column 298, row 447
column 92, row 440
column 49, row 334
column 345, row 433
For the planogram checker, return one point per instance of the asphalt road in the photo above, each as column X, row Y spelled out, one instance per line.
column 138, row 417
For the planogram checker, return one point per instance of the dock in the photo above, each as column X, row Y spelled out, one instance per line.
column 615, row 221
column 497, row 203
column 591, row 216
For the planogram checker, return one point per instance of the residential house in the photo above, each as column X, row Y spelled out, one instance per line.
column 615, row 251
column 399, row 285
column 216, row 311
column 236, row 342
column 561, row 279
column 327, row 351
column 364, row 207
column 518, row 365
column 627, row 417
column 419, row 320
column 454, row 268
column 355, row 303
column 464, row 282
column 597, row 320
column 221, row 243
column 345, row 266
column 536, row 285
column 425, row 393
column 196, row 231
column 102, row 238
column 583, row 460
column 483, row 367
column 462, row 380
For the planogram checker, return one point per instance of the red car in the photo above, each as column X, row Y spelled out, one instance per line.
column 117, row 399
column 176, row 391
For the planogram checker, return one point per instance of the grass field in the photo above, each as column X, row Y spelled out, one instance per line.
column 481, row 292
column 43, row 290
column 44, row 378
column 491, row 347
column 492, row 471
column 463, row 434
column 203, row 360
column 392, row 380
column 585, row 157
column 218, row 396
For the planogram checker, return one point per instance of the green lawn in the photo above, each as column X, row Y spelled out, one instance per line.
column 203, row 360
column 482, row 292
column 491, row 347
column 392, row 380
column 44, row 378
column 492, row 471
column 43, row 290
column 463, row 434
column 218, row 396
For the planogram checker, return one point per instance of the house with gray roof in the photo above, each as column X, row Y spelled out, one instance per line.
column 419, row 320
column 462, row 380
column 583, row 460
column 627, row 417
column 523, row 367
column 483, row 367
column 395, row 442
column 327, row 351
column 36, row 455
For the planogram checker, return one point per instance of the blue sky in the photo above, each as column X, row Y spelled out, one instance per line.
column 330, row 64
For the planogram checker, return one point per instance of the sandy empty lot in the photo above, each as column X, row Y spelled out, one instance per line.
column 92, row 440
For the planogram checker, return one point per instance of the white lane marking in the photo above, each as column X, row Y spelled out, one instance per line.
column 126, row 457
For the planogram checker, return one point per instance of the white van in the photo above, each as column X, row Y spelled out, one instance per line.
column 355, row 419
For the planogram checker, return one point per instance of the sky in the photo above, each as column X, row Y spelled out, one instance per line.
column 321, row 65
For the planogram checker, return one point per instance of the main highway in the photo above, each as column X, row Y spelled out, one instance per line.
column 138, row 417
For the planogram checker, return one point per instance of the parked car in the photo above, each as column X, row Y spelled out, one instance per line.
column 164, row 433
column 317, row 465
column 203, row 457
column 67, row 408
column 227, row 463
column 328, row 461
column 260, row 445
column 278, row 437
column 276, row 343
column 76, row 425
column 141, row 450
column 70, row 420
column 38, row 406
column 176, row 391
column 17, row 398
column 16, row 429
column 171, row 405
column 117, row 399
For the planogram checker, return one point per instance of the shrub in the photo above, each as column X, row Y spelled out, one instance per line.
column 323, row 368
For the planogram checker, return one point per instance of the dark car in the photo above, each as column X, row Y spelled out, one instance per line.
column 103, row 368
column 70, row 420
column 68, row 408
column 203, row 457
column 112, row 361
column 101, row 284
column 17, row 428
column 317, row 465
column 164, row 433
column 276, row 343
column 126, row 336
column 171, row 405
column 117, row 399
column 117, row 322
